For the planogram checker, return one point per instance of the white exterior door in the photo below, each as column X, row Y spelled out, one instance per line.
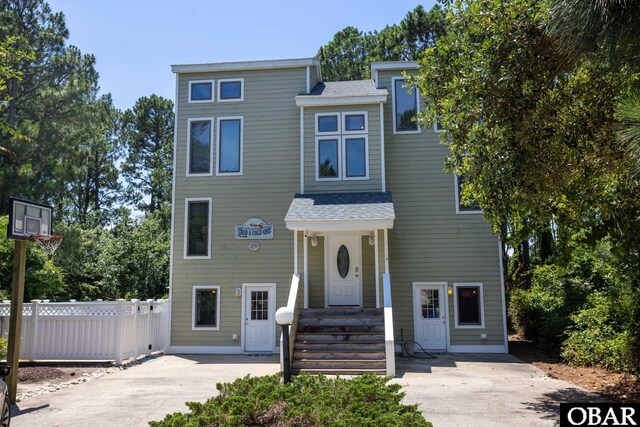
column 344, row 270
column 259, row 315
column 430, row 316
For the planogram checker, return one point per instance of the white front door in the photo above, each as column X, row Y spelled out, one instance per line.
column 430, row 316
column 259, row 315
column 344, row 275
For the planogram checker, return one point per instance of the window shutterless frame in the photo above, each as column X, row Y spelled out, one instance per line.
column 338, row 142
column 456, row 308
column 416, row 91
column 332, row 132
column 211, row 142
column 236, row 80
column 345, row 158
column 186, row 227
column 195, row 101
column 194, row 307
column 346, row 131
column 219, row 142
column 456, row 184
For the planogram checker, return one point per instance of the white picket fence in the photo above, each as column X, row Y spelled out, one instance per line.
column 109, row 330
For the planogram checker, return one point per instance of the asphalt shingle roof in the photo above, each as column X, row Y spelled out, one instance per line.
column 341, row 206
column 347, row 89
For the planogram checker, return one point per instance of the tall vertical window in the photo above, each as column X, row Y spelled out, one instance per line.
column 198, row 228
column 464, row 207
column 405, row 107
column 199, row 158
column 355, row 157
column 206, row 308
column 229, row 146
column 201, row 91
column 328, row 166
column 469, row 302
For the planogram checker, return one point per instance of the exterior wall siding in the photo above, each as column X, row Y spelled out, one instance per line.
column 429, row 241
column 265, row 190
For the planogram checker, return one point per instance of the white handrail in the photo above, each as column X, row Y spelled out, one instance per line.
column 389, row 344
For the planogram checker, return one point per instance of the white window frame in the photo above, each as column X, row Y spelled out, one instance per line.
column 211, row 143
column 344, row 157
column 186, row 226
column 455, row 304
column 435, row 127
column 457, row 200
column 393, row 107
column 219, row 141
column 200, row 101
column 195, row 288
column 239, row 79
column 338, row 138
column 355, row 113
column 338, row 123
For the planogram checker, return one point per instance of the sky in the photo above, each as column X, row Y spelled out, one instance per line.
column 136, row 42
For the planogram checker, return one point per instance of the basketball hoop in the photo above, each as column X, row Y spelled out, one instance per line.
column 48, row 243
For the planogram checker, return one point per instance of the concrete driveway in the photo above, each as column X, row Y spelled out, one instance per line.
column 452, row 390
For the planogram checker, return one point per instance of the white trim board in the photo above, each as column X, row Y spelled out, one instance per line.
column 249, row 65
column 488, row 348
column 204, row 349
column 311, row 100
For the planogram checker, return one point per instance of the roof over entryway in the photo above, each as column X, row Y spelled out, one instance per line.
column 341, row 211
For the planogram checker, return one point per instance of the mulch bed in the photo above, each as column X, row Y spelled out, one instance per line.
column 36, row 374
column 613, row 386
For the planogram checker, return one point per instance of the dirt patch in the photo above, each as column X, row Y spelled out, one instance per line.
column 36, row 374
column 618, row 387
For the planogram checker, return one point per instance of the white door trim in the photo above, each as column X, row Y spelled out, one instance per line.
column 446, row 308
column 327, row 240
column 272, row 312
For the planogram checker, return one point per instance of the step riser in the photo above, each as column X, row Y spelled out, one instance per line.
column 343, row 364
column 341, row 321
column 340, row 329
column 339, row 372
column 337, row 312
column 380, row 355
column 339, row 346
column 319, row 338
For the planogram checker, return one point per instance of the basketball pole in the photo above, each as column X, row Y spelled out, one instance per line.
column 15, row 322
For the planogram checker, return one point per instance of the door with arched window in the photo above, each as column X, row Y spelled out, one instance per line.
column 344, row 270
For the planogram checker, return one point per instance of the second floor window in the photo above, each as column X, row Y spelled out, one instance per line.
column 197, row 228
column 405, row 107
column 201, row 91
column 328, row 158
column 229, row 146
column 199, row 158
column 342, row 150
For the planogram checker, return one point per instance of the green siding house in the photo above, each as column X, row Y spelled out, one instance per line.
column 327, row 198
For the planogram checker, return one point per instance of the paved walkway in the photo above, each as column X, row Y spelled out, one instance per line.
column 452, row 390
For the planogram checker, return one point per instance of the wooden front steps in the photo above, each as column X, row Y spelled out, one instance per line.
column 340, row 341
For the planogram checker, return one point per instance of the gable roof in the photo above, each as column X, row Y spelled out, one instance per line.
column 341, row 210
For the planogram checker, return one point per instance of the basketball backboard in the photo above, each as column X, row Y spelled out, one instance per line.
column 27, row 219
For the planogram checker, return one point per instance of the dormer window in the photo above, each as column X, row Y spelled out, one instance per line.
column 201, row 91
column 230, row 90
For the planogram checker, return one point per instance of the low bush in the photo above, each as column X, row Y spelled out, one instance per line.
column 307, row 401
column 541, row 313
column 598, row 337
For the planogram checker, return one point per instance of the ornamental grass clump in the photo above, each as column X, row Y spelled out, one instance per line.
column 308, row 401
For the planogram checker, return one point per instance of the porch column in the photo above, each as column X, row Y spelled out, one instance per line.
column 295, row 251
column 376, row 255
column 306, row 271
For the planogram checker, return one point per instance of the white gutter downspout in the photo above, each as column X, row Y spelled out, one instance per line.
column 382, row 161
column 302, row 151
column 308, row 79
column 504, row 302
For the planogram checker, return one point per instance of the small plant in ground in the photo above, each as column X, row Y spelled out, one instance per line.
column 308, row 401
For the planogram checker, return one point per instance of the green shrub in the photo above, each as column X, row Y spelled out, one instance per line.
column 307, row 401
column 597, row 336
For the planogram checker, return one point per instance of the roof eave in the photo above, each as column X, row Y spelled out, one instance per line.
column 341, row 224
column 312, row 101
column 246, row 65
